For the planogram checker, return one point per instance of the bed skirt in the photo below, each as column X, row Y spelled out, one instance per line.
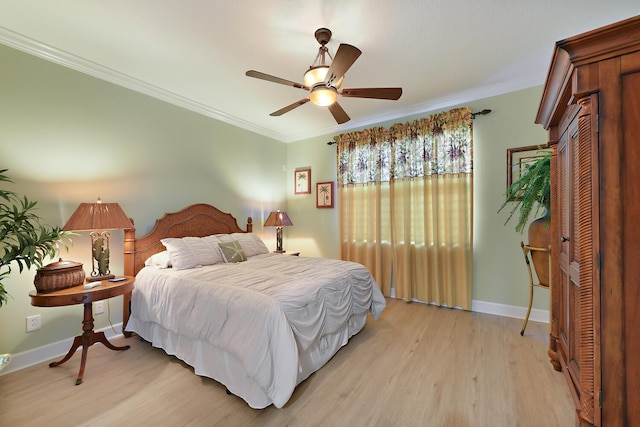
column 213, row 362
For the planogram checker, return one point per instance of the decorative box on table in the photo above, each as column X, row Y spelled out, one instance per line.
column 59, row 275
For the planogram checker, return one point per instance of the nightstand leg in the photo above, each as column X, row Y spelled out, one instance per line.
column 77, row 342
column 100, row 337
column 83, row 360
column 86, row 340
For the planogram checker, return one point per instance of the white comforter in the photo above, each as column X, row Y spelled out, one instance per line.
column 263, row 311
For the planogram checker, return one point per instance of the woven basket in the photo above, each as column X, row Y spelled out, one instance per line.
column 59, row 275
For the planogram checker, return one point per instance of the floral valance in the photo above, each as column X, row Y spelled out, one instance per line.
column 436, row 145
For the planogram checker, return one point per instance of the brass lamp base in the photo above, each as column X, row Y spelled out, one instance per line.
column 96, row 278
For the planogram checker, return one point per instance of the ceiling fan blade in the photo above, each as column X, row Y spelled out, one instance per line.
column 338, row 113
column 344, row 59
column 393, row 93
column 290, row 107
column 270, row 78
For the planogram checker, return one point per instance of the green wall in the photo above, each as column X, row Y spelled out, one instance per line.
column 68, row 138
column 499, row 271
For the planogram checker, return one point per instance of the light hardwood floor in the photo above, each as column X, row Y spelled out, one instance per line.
column 418, row 365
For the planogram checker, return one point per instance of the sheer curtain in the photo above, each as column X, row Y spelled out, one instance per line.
column 405, row 196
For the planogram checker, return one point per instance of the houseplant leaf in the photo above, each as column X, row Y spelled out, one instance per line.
column 23, row 239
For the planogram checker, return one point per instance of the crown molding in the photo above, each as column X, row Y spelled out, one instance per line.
column 66, row 59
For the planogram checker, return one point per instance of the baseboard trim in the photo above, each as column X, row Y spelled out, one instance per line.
column 50, row 351
column 60, row 348
column 536, row 315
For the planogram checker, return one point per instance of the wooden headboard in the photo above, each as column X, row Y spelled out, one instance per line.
column 196, row 220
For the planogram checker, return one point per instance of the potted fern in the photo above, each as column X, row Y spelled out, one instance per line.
column 23, row 239
column 531, row 190
column 528, row 195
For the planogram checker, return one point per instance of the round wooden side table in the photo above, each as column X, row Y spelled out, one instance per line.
column 80, row 295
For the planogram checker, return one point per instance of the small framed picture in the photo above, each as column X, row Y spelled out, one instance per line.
column 302, row 181
column 519, row 158
column 324, row 194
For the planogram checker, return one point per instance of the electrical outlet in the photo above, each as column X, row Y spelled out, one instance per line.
column 98, row 307
column 33, row 323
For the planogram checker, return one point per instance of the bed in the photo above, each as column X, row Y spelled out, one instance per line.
column 211, row 294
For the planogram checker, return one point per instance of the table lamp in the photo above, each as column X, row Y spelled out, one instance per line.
column 98, row 217
column 278, row 219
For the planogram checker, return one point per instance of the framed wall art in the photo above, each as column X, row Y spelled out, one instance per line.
column 302, row 181
column 518, row 159
column 324, row 194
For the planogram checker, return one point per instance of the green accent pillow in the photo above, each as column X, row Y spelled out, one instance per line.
column 232, row 251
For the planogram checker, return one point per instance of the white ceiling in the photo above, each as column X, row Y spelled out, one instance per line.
column 195, row 53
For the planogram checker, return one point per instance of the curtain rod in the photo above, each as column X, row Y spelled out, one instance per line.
column 480, row 113
column 473, row 116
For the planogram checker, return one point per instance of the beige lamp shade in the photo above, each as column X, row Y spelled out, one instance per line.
column 98, row 216
column 277, row 219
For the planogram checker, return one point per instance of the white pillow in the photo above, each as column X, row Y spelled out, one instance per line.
column 159, row 260
column 190, row 252
column 251, row 244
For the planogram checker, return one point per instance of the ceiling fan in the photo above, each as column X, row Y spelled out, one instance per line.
column 324, row 82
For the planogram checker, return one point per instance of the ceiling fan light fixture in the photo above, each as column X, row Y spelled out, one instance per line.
column 318, row 74
column 323, row 95
column 315, row 75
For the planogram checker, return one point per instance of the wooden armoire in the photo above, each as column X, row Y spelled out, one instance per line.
column 591, row 108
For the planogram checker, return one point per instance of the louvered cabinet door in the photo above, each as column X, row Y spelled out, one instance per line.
column 576, row 166
column 569, row 265
column 585, row 234
column 561, row 254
